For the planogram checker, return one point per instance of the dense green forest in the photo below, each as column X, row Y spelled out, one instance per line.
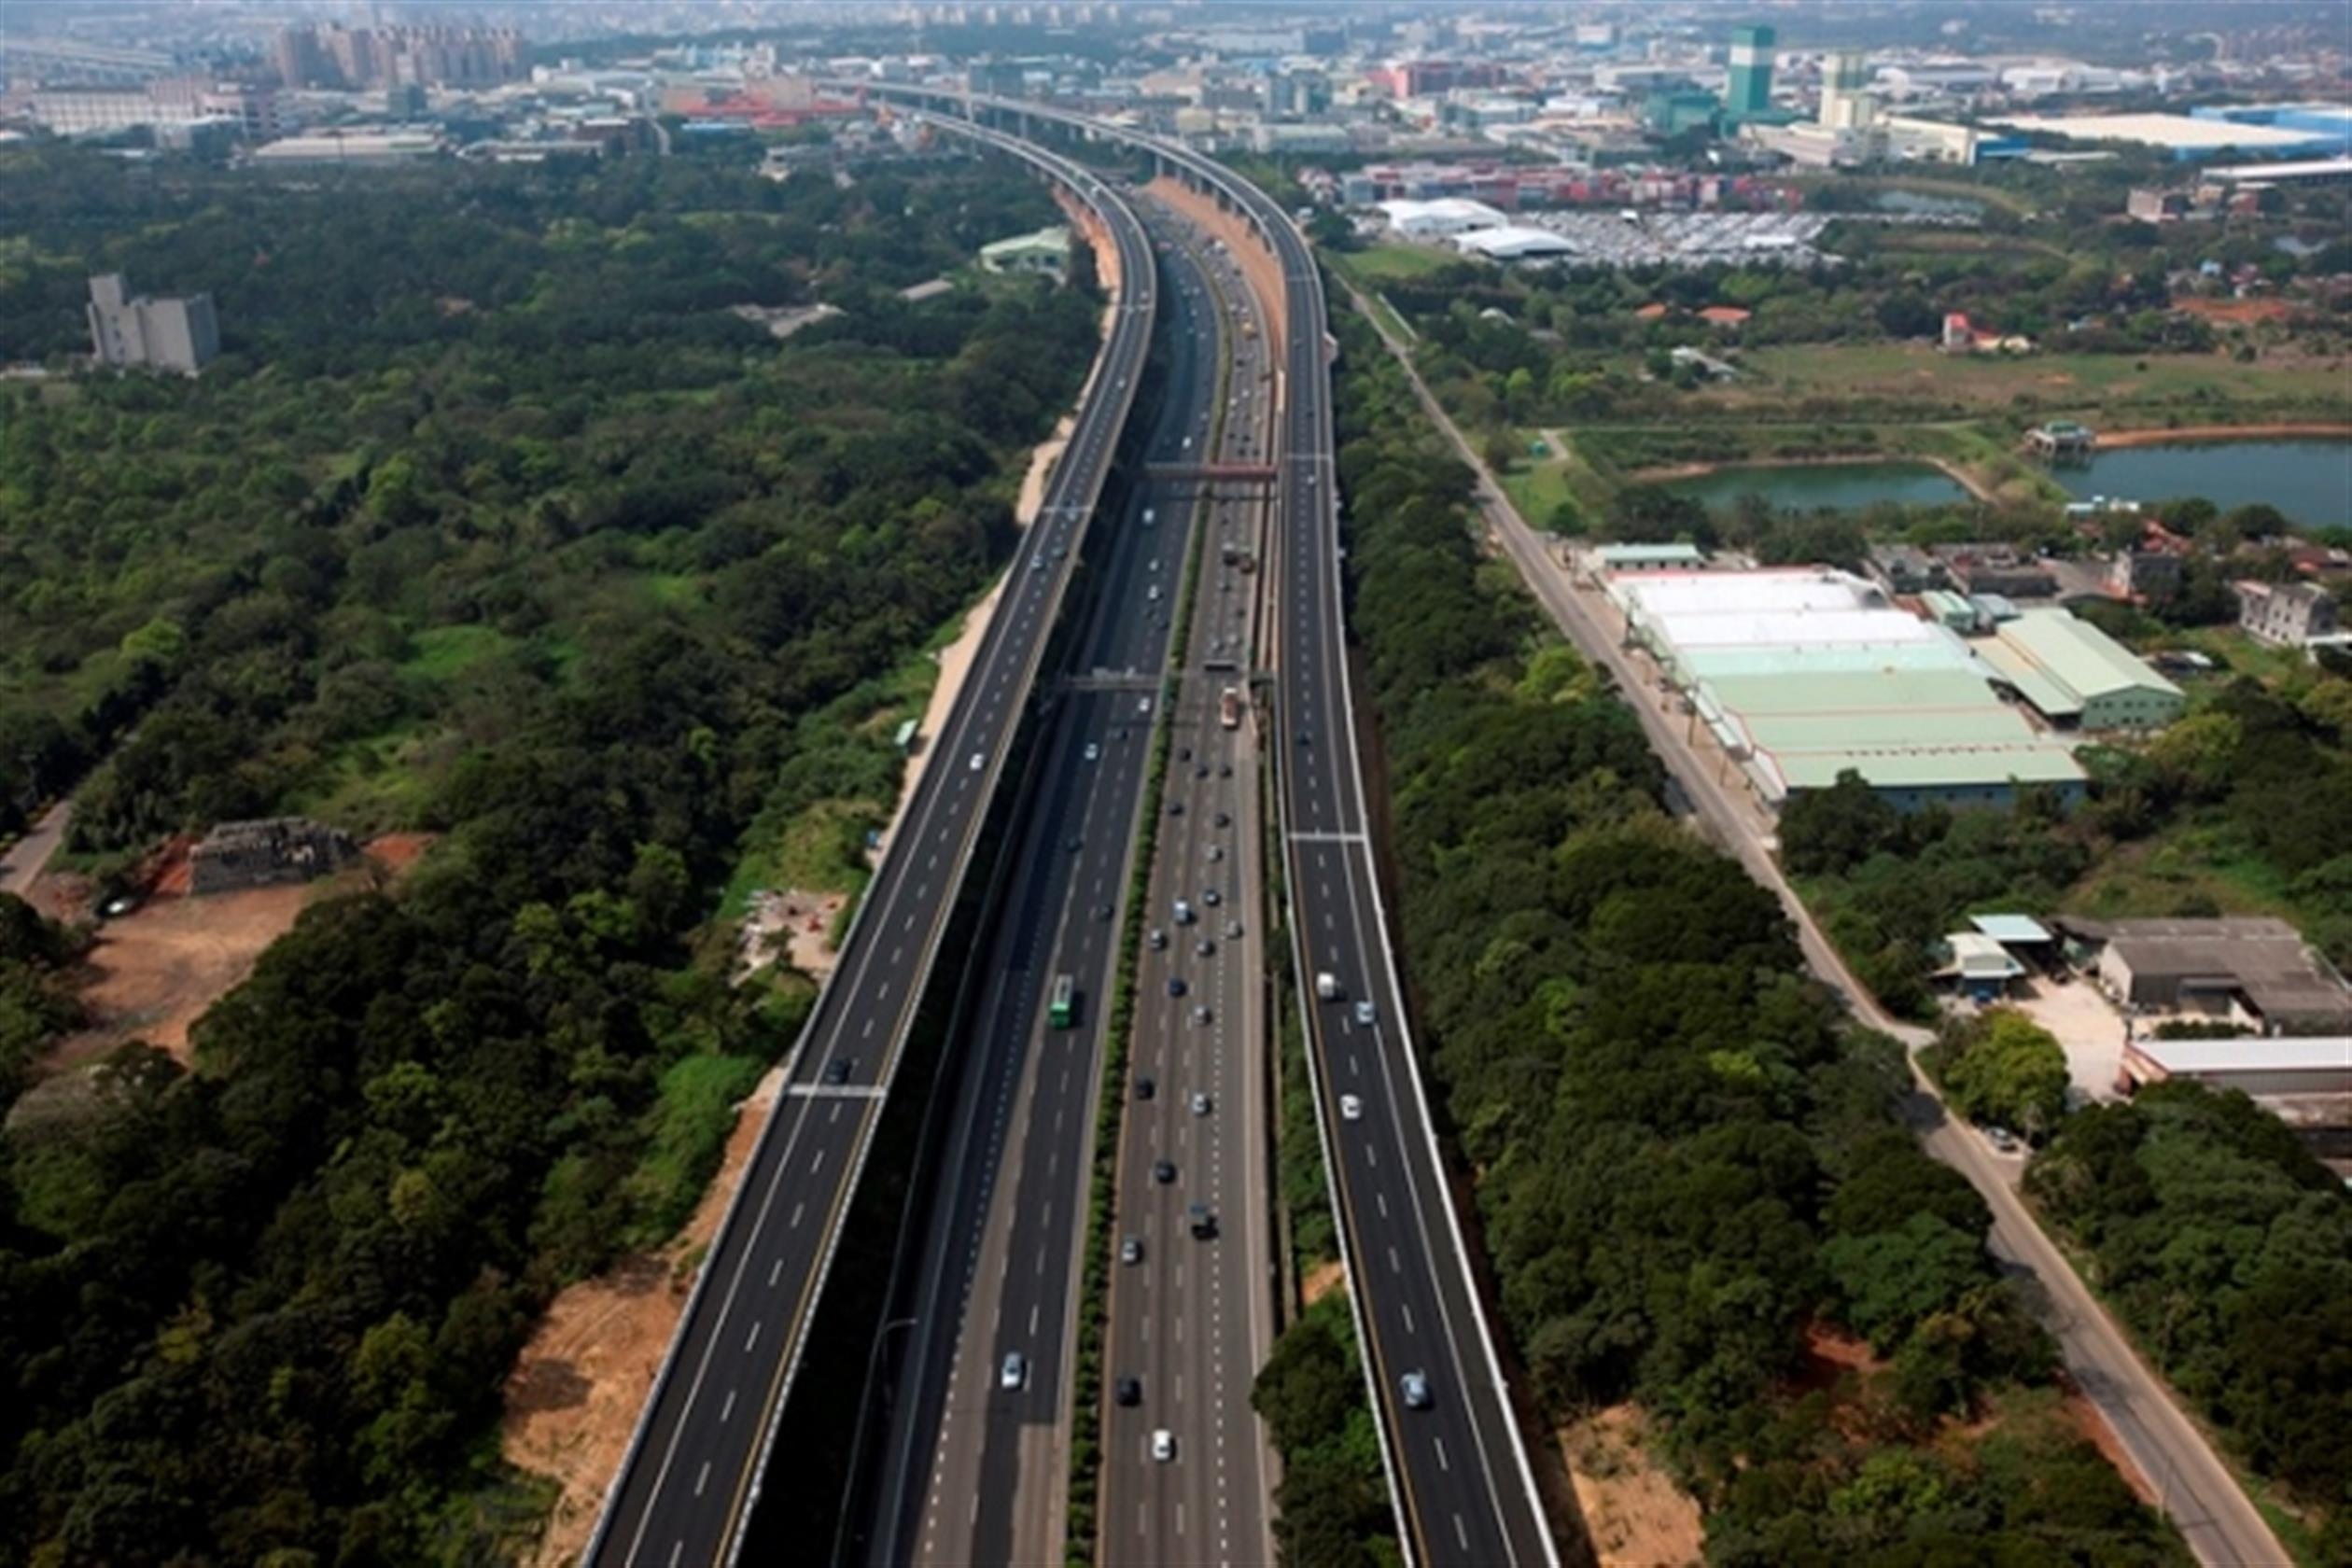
column 1686, row 1168
column 493, row 521
column 2228, row 1248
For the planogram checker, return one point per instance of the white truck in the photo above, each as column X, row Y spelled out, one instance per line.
column 1327, row 986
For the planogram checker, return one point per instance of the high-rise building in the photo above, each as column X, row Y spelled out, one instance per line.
column 359, row 58
column 172, row 334
column 1846, row 103
column 1750, row 91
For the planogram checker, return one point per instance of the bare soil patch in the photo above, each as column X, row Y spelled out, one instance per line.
column 154, row 971
column 572, row 1399
column 1634, row 1512
column 1321, row 1280
column 793, row 922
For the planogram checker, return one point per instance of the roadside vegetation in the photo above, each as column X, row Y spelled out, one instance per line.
column 1690, row 1177
column 491, row 521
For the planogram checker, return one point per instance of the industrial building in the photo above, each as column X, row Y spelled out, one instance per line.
column 1749, row 90
column 2305, row 1083
column 1044, row 254
column 2252, row 970
column 1513, row 243
column 2077, row 677
column 161, row 334
column 2316, row 131
column 1805, row 674
column 1446, row 216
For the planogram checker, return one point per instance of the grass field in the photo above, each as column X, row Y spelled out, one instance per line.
column 1913, row 372
column 441, row 652
column 1377, row 265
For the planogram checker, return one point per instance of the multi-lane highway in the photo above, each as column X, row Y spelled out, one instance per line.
column 693, row 1467
column 1465, row 1486
column 1192, row 1304
column 975, row 1458
column 1464, row 1490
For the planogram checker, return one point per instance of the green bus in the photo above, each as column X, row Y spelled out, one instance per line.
column 1062, row 1010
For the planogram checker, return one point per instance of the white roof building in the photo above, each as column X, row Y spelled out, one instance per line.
column 1513, row 244
column 1448, row 215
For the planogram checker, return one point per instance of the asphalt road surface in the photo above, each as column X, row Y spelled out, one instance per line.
column 976, row 1460
column 694, row 1466
column 1465, row 1492
column 2204, row 1500
column 1192, row 1316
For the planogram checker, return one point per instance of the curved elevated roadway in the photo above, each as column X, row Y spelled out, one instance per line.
column 686, row 1487
column 1459, row 1468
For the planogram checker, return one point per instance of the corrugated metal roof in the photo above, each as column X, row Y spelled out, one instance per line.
column 1650, row 554
column 2078, row 656
column 2251, row 1053
column 2046, row 693
column 1984, row 767
column 2012, row 927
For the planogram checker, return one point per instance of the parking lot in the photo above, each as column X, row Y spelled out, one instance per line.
column 2086, row 1024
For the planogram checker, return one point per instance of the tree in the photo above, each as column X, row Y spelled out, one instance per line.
column 2011, row 1070
column 1828, row 833
column 1891, row 1281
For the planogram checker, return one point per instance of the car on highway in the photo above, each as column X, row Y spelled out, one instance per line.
column 1203, row 1221
column 1144, row 1088
column 2001, row 1139
column 1224, row 819
column 1131, row 1249
column 1350, row 1109
column 1201, row 1103
column 1205, row 946
column 1225, row 770
column 1163, row 1445
column 1015, row 1372
column 1201, row 1015
column 1129, row 1390
column 1200, row 770
column 1415, row 1386
column 1175, row 808
column 1162, row 1172
column 1209, row 897
column 1094, row 752
column 1184, row 753
column 1233, row 930
column 1183, row 913
column 1143, row 704
column 1155, row 939
column 1074, row 844
column 1176, row 984
column 1216, row 851
column 1365, row 1014
column 977, row 759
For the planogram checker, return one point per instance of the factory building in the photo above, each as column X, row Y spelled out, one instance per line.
column 1750, row 89
column 2077, row 677
column 2251, row 971
column 1803, row 675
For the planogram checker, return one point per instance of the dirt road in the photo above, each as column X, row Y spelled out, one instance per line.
column 29, row 855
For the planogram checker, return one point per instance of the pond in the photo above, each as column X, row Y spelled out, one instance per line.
column 1838, row 486
column 2310, row 480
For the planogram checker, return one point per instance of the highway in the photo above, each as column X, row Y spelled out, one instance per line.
column 1191, row 1318
column 976, row 1459
column 2215, row 1516
column 1458, row 1469
column 1464, row 1487
column 687, row 1485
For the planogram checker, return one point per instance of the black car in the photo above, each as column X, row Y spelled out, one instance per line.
column 1225, row 770
column 1162, row 1172
column 1201, row 771
column 1175, row 984
column 1143, row 1088
column 1184, row 753
column 1130, row 1391
column 837, row 1070
column 1224, row 819
column 1175, row 808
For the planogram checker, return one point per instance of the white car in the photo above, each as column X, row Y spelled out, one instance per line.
column 1365, row 1014
column 1350, row 1109
column 977, row 759
column 1163, row 1443
column 1093, row 751
column 1016, row 1371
